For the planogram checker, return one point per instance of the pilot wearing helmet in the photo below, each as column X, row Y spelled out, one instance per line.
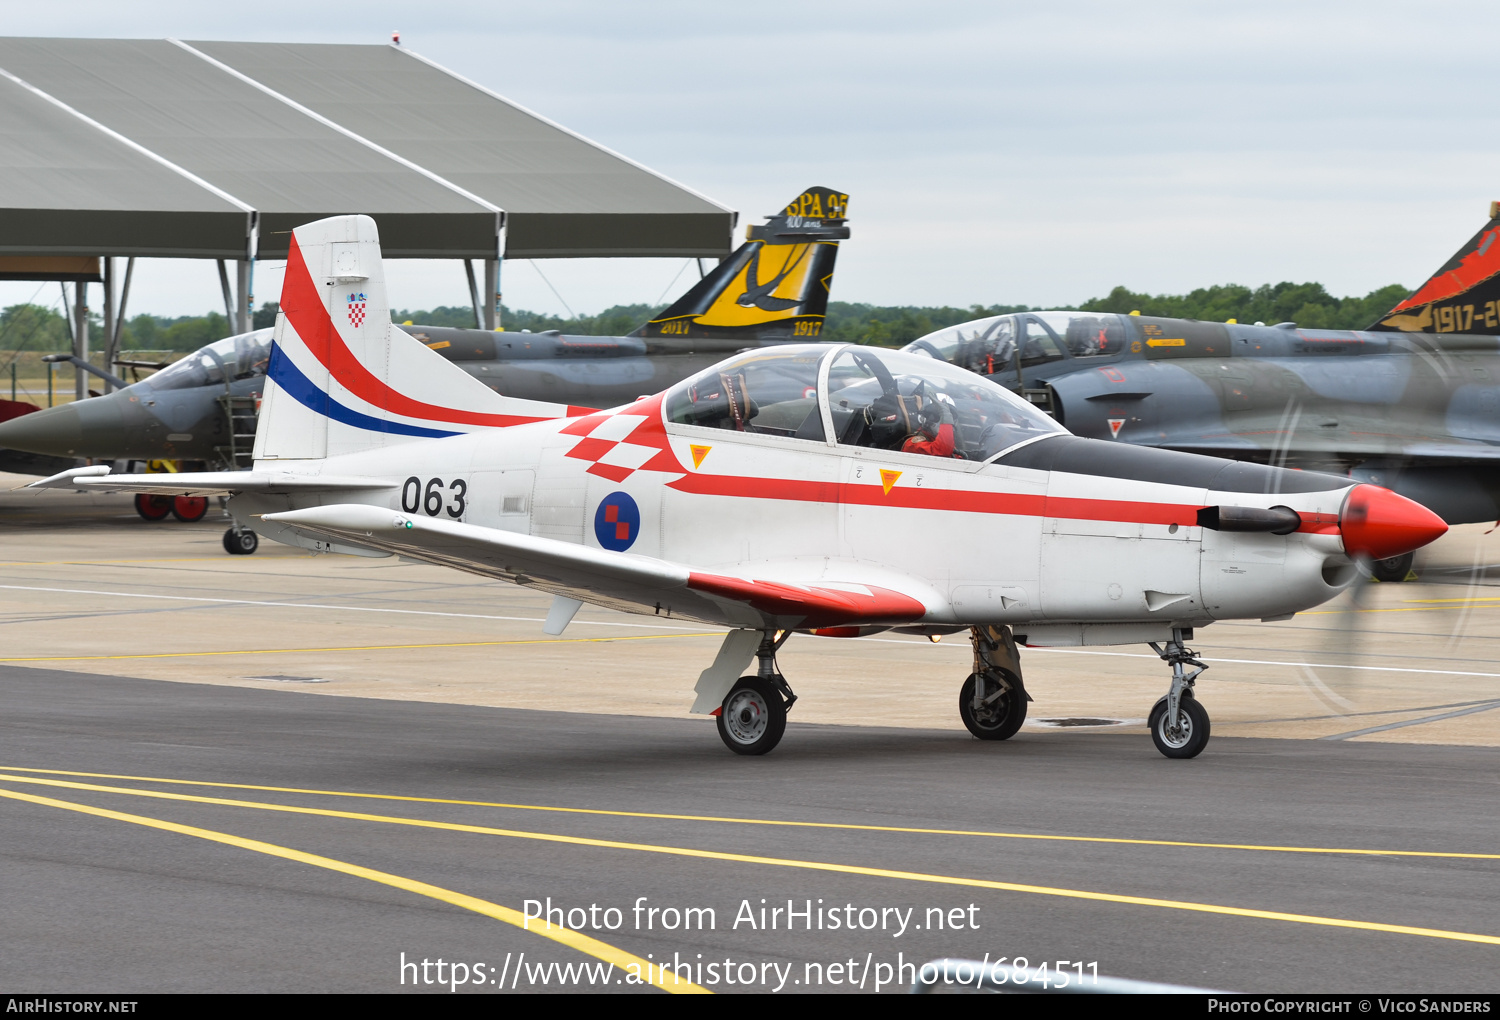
column 912, row 423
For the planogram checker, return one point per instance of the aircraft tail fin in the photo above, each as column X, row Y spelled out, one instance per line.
column 342, row 378
column 1461, row 297
column 775, row 284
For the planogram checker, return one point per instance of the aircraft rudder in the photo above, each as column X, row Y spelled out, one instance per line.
column 340, row 370
column 1463, row 296
column 776, row 284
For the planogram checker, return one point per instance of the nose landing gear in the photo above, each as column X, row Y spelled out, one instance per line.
column 1179, row 725
column 752, row 718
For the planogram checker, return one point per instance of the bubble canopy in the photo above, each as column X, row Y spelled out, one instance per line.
column 227, row 360
column 801, row 391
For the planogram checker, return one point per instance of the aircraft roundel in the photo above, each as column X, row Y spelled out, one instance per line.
column 617, row 522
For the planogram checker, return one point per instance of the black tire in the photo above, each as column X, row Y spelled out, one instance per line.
column 753, row 716
column 152, row 507
column 1394, row 569
column 189, row 509
column 1183, row 745
column 240, row 543
column 1001, row 720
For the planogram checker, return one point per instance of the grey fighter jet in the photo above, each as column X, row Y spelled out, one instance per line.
column 1411, row 403
column 202, row 411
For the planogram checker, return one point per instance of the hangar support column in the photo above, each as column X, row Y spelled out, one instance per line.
column 492, row 293
column 244, row 278
column 120, row 306
column 492, row 277
column 80, row 338
column 109, row 320
column 241, row 321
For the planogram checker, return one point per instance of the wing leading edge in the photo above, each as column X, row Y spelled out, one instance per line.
column 637, row 584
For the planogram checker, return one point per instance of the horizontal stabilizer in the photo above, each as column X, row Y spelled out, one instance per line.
column 207, row 483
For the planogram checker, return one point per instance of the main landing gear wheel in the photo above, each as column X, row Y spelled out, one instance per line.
column 240, row 542
column 753, row 716
column 188, row 509
column 1394, row 569
column 1001, row 710
column 153, row 508
column 1186, row 739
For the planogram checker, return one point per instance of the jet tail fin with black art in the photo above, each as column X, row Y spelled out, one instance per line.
column 776, row 283
column 1461, row 297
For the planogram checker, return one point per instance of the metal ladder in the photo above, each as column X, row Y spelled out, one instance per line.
column 241, row 413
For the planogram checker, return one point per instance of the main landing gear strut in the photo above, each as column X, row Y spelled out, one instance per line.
column 993, row 700
column 753, row 715
column 1179, row 725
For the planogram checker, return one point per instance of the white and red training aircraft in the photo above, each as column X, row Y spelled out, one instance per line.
column 836, row 489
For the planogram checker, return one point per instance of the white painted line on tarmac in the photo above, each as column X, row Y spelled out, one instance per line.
column 1487, row 706
column 1274, row 662
column 318, row 605
column 1210, row 659
column 658, row 626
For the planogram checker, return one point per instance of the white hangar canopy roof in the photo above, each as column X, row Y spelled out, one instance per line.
column 160, row 148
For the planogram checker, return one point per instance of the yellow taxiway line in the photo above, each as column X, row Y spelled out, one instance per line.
column 850, row 826
column 781, row 862
column 566, row 936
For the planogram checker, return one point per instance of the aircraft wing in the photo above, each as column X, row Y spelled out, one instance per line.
column 203, row 483
column 618, row 580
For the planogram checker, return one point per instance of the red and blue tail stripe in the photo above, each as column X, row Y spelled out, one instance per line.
column 302, row 389
column 302, row 301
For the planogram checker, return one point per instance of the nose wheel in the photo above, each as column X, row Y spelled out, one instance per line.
column 1179, row 725
column 1394, row 569
column 1185, row 738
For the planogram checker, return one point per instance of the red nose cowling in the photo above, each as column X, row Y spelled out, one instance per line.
column 1380, row 524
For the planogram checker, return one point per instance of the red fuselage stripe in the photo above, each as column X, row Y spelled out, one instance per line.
column 302, row 302
column 913, row 498
column 1120, row 511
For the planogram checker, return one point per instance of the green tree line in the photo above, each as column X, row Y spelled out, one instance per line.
column 38, row 328
column 29, row 327
column 1306, row 304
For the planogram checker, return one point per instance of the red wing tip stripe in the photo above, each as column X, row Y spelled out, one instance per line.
column 829, row 606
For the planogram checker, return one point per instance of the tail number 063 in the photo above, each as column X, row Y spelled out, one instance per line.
column 433, row 498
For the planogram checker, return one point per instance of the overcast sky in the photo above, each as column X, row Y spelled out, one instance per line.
column 993, row 152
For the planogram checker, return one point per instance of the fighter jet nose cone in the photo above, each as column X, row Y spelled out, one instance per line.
column 56, row 431
column 1380, row 524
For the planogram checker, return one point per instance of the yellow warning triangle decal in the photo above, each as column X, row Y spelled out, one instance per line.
column 888, row 479
column 699, row 452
